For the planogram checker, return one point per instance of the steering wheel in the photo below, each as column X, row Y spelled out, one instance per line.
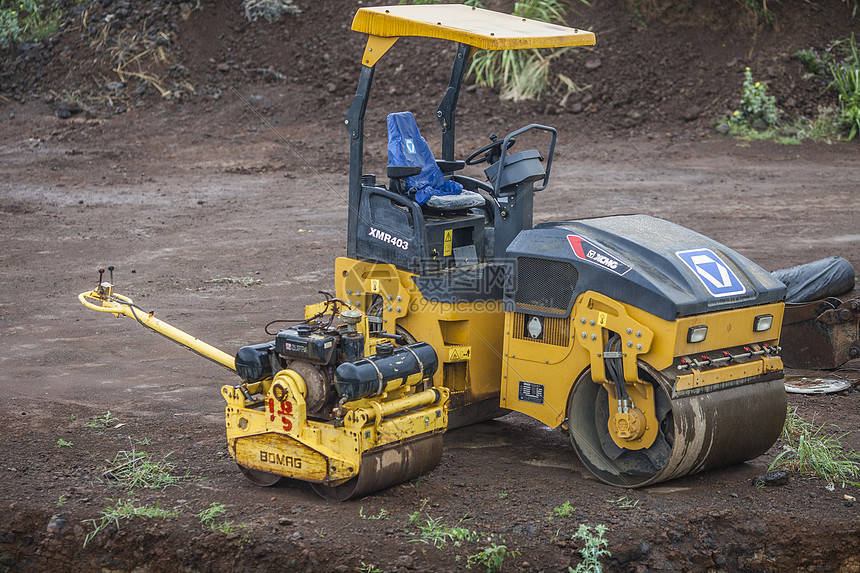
column 491, row 150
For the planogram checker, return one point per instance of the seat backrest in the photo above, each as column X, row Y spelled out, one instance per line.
column 406, row 147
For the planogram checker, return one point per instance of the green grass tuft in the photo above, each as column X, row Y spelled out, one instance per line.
column 126, row 510
column 811, row 451
column 132, row 469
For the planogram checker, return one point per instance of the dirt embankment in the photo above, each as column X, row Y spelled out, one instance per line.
column 657, row 68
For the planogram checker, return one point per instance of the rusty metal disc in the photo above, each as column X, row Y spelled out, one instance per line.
column 800, row 385
column 387, row 466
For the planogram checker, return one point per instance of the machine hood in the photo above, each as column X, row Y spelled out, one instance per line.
column 655, row 265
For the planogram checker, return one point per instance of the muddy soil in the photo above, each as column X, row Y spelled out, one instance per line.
column 251, row 185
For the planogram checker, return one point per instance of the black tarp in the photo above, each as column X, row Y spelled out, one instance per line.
column 819, row 279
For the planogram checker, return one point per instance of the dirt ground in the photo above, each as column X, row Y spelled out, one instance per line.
column 252, row 184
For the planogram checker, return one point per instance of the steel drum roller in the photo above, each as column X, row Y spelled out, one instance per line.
column 711, row 429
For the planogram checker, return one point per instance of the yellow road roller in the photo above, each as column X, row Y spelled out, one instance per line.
column 654, row 347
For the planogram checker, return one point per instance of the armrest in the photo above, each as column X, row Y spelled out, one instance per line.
column 402, row 171
column 450, row 166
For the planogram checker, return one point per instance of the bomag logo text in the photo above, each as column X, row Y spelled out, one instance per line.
column 602, row 259
column 280, row 459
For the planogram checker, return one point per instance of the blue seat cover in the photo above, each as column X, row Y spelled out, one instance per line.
column 407, row 148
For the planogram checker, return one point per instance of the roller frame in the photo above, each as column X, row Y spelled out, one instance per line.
column 276, row 436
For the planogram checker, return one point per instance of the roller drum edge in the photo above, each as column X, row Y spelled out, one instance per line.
column 260, row 478
column 388, row 466
column 708, row 430
column 725, row 427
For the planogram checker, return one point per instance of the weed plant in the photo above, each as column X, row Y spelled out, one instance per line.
column 102, row 421
column 593, row 550
column 492, row 557
column 383, row 514
column 625, row 502
column 126, row 510
column 809, row 450
column 521, row 74
column 759, row 118
column 132, row 469
column 26, row 21
column 209, row 519
column 208, row 515
column 565, row 510
column 756, row 105
column 846, row 81
column 815, row 61
column 837, row 67
column 827, row 126
column 759, row 9
column 434, row 531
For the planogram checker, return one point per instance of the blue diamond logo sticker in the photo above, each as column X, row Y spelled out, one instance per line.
column 715, row 275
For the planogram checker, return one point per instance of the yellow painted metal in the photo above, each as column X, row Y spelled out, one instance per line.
column 555, row 331
column 594, row 316
column 283, row 455
column 729, row 328
column 103, row 299
column 375, row 411
column 630, row 425
column 467, row 337
column 643, row 415
column 459, row 353
column 702, row 379
column 725, row 329
column 315, row 309
column 267, row 424
column 476, row 27
column 524, row 348
column 272, row 432
column 376, row 48
column 355, row 281
column 448, row 243
column 479, row 345
column 557, row 367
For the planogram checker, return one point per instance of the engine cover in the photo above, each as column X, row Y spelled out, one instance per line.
column 301, row 342
column 652, row 264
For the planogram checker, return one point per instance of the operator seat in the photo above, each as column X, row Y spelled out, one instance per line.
column 413, row 171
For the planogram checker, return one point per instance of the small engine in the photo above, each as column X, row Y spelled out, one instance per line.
column 313, row 353
column 331, row 361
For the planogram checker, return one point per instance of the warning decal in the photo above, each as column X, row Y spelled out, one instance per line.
column 531, row 392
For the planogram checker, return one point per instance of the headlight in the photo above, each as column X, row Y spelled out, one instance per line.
column 762, row 322
column 697, row 333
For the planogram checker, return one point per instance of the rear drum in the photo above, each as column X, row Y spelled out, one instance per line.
column 720, row 427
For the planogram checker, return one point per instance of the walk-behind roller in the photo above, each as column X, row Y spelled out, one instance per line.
column 655, row 347
column 321, row 403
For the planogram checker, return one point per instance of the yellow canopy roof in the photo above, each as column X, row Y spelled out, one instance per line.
column 476, row 27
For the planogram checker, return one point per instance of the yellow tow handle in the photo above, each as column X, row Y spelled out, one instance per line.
column 103, row 299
